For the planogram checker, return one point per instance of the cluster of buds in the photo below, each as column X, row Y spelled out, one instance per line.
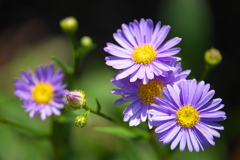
column 76, row 100
column 69, row 26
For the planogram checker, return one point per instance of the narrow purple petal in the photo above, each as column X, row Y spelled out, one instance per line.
column 183, row 140
column 127, row 72
column 177, row 140
column 193, row 140
column 160, row 37
column 189, row 143
column 122, row 41
column 170, row 43
column 205, row 99
column 119, row 101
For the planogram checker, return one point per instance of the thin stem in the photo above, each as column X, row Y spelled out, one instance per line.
column 206, row 71
column 75, row 61
column 141, row 135
column 61, row 140
column 34, row 132
column 61, row 131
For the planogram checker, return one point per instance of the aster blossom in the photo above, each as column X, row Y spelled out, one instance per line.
column 142, row 53
column 142, row 96
column 186, row 115
column 42, row 92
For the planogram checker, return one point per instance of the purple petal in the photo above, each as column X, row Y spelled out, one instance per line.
column 161, row 35
column 170, row 43
column 183, row 140
column 126, row 72
column 177, row 139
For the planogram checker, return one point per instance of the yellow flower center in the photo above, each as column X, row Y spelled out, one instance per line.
column 150, row 90
column 42, row 93
column 187, row 116
column 144, row 54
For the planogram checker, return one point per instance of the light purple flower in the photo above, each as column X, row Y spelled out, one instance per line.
column 186, row 115
column 42, row 92
column 142, row 96
column 142, row 53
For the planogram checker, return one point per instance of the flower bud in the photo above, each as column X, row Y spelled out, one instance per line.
column 86, row 41
column 76, row 99
column 69, row 25
column 213, row 57
column 80, row 121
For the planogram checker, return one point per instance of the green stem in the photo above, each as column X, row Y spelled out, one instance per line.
column 61, row 131
column 34, row 132
column 206, row 71
column 61, row 140
column 75, row 61
column 140, row 135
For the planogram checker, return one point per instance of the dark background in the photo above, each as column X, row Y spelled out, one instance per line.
column 201, row 23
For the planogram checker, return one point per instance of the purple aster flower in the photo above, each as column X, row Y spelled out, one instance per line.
column 42, row 93
column 185, row 115
column 142, row 96
column 142, row 54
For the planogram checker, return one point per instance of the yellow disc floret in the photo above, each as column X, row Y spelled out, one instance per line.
column 150, row 90
column 144, row 54
column 42, row 93
column 187, row 116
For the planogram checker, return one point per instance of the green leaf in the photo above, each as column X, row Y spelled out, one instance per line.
column 65, row 68
column 119, row 131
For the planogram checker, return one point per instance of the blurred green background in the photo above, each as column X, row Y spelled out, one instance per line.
column 30, row 36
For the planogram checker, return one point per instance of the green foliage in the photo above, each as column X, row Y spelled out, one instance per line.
column 116, row 130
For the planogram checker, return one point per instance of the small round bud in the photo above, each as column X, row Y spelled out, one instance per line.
column 69, row 25
column 86, row 41
column 76, row 99
column 213, row 57
column 80, row 121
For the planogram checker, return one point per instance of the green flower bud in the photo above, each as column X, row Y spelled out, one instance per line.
column 80, row 121
column 69, row 26
column 213, row 57
column 76, row 99
column 86, row 41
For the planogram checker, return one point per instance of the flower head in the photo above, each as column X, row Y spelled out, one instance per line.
column 186, row 115
column 42, row 93
column 142, row 95
column 142, row 54
column 76, row 99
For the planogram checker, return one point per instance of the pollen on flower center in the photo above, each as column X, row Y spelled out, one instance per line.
column 144, row 54
column 42, row 93
column 187, row 116
column 150, row 90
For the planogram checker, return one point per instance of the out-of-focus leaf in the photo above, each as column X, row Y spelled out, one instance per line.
column 119, row 131
column 64, row 67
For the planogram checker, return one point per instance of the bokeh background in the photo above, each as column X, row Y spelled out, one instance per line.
column 30, row 36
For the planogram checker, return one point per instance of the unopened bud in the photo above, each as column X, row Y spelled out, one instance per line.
column 213, row 57
column 76, row 99
column 69, row 25
column 86, row 41
column 80, row 121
